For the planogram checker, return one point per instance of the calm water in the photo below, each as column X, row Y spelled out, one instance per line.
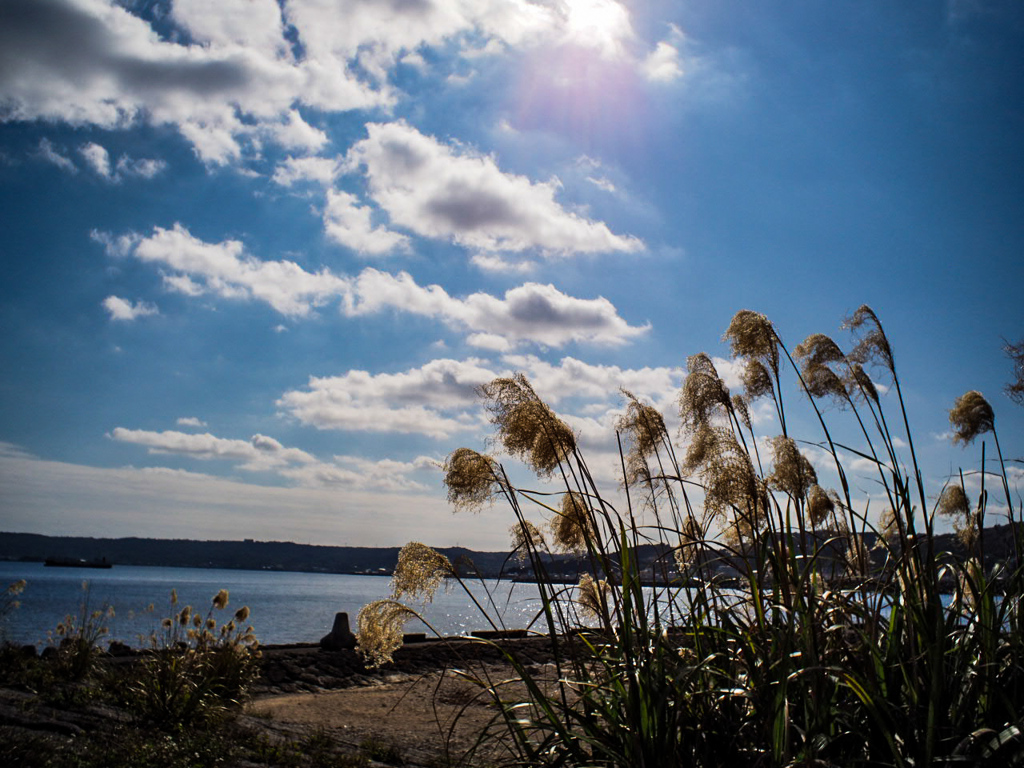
column 285, row 607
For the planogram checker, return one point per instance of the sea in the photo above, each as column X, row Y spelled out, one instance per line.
column 284, row 607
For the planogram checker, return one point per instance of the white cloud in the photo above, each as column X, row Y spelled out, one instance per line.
column 441, row 398
column 431, row 400
column 257, row 453
column 190, row 421
column 97, row 158
column 50, row 153
column 232, row 74
column 226, row 270
column 601, row 183
column 603, row 25
column 144, row 168
column 663, row 64
column 530, row 313
column 91, row 62
column 295, row 133
column 456, row 194
column 490, row 262
column 123, row 309
column 349, row 224
column 320, row 170
column 572, row 378
column 352, row 472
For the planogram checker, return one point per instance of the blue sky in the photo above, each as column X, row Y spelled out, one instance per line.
column 259, row 254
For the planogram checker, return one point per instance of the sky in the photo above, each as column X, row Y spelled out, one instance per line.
column 259, row 255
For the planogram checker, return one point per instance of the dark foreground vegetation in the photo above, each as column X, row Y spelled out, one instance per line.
column 189, row 696
column 844, row 637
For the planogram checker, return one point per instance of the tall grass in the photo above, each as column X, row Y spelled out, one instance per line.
column 780, row 625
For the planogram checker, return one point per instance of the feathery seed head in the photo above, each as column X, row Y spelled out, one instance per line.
column 742, row 409
column 859, row 384
column 967, row 531
column 792, row 472
column 953, row 502
column 642, row 425
column 888, row 525
column 820, row 505
column 757, row 380
column 380, row 627
column 471, row 478
column 971, row 416
column 220, row 600
column 592, row 597
column 242, row 614
column 703, row 392
column 643, row 428
column 419, row 572
column 1015, row 389
column 815, row 354
column 821, row 382
column 818, row 349
column 573, row 526
column 526, row 426
column 525, row 537
column 873, row 346
column 751, row 335
column 731, row 484
column 704, row 446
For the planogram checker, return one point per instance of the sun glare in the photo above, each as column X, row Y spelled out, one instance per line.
column 601, row 24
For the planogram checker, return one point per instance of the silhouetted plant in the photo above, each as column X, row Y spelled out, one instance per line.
column 767, row 632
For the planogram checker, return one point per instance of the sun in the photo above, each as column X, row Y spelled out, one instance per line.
column 600, row 24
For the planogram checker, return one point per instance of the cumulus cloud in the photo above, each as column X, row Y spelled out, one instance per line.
column 530, row 313
column 52, row 155
column 441, row 398
column 443, row 192
column 319, row 170
column 226, row 270
column 123, row 309
column 232, row 74
column 663, row 64
column 143, row 168
column 432, row 400
column 348, row 223
column 257, row 453
column 98, row 159
column 352, row 472
column 191, row 421
column 93, row 62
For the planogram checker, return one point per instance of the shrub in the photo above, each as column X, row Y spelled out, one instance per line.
column 778, row 625
column 195, row 667
column 9, row 603
column 77, row 638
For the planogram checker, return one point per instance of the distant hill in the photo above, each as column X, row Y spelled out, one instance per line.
column 248, row 554
column 289, row 556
